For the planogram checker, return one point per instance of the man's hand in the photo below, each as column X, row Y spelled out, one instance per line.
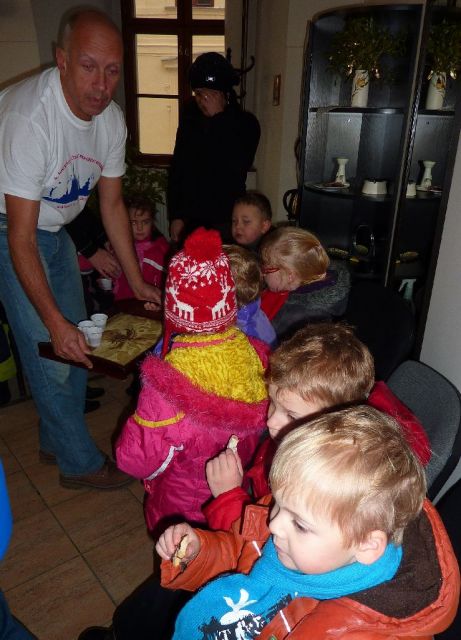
column 224, row 472
column 150, row 294
column 170, row 539
column 105, row 263
column 176, row 228
column 69, row 343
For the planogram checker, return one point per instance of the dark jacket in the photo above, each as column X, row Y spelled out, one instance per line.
column 316, row 302
column 87, row 232
column 210, row 163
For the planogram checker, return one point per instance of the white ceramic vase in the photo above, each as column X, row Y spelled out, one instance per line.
column 426, row 181
column 436, row 90
column 341, row 173
column 360, row 84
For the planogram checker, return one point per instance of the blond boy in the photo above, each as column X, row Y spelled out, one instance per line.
column 322, row 367
column 346, row 549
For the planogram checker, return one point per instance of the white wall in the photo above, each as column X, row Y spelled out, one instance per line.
column 18, row 41
column 442, row 338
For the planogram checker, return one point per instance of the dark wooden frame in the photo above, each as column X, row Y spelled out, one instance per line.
column 184, row 27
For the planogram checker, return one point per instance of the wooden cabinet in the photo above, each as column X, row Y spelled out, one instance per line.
column 390, row 237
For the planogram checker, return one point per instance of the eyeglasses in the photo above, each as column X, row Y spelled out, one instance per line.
column 266, row 270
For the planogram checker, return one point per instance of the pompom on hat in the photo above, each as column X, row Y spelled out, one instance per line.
column 200, row 290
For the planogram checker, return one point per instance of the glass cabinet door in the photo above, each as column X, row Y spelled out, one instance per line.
column 367, row 143
column 431, row 156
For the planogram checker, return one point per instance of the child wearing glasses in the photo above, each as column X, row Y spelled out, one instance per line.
column 302, row 285
column 151, row 247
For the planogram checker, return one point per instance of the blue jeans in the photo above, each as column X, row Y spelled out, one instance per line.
column 10, row 628
column 58, row 389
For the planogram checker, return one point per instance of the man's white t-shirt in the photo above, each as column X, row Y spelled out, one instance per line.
column 49, row 155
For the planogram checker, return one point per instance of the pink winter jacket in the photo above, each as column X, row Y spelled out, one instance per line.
column 152, row 256
column 176, row 428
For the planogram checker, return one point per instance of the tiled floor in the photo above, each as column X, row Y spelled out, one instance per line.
column 74, row 554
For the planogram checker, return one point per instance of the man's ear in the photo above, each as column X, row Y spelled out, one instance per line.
column 61, row 59
column 372, row 548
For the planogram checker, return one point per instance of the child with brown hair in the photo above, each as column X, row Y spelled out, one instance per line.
column 302, row 285
column 151, row 247
column 346, row 546
column 247, row 275
column 251, row 219
column 323, row 366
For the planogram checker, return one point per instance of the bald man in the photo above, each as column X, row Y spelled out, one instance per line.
column 60, row 136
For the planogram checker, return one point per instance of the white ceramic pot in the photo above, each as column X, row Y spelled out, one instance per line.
column 436, row 90
column 360, row 84
column 373, row 187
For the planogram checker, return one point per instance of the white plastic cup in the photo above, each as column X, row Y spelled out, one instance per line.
column 94, row 336
column 99, row 319
column 105, row 284
column 84, row 325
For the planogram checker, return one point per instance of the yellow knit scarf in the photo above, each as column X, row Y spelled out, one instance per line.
column 221, row 363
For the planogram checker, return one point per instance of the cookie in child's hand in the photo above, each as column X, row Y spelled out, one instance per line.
column 232, row 444
column 180, row 551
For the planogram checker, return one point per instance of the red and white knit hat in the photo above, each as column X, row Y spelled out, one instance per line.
column 200, row 289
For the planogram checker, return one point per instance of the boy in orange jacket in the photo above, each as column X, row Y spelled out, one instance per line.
column 347, row 546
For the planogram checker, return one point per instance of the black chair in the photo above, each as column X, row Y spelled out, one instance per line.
column 384, row 321
column 448, row 508
column 437, row 404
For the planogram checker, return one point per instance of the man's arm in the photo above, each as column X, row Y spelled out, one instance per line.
column 68, row 342
column 116, row 223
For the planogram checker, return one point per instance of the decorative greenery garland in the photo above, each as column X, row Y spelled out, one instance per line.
column 361, row 45
column 444, row 48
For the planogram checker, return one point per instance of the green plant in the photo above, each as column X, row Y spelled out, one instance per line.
column 361, row 45
column 146, row 181
column 138, row 181
column 444, row 48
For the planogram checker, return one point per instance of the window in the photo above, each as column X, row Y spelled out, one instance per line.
column 162, row 39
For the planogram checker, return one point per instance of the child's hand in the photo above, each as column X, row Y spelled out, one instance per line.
column 171, row 538
column 224, row 472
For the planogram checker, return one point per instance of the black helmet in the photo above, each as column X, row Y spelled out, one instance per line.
column 213, row 71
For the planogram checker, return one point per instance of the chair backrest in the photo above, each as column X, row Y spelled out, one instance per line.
column 437, row 404
column 384, row 321
column 448, row 508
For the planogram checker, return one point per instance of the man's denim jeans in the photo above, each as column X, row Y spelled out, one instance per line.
column 58, row 389
column 10, row 628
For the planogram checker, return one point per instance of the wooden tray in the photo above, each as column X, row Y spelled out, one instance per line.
column 130, row 333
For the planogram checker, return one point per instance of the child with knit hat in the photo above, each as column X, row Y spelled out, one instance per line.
column 207, row 385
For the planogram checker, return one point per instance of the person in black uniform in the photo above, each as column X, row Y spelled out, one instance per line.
column 215, row 147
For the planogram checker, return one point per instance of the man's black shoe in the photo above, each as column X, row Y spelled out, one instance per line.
column 94, row 392
column 97, row 633
column 91, row 405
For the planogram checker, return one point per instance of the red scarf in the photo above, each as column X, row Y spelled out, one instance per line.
column 272, row 302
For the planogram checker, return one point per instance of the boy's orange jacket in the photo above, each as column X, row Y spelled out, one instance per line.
column 420, row 601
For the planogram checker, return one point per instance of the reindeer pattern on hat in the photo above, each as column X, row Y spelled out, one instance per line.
column 200, row 290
